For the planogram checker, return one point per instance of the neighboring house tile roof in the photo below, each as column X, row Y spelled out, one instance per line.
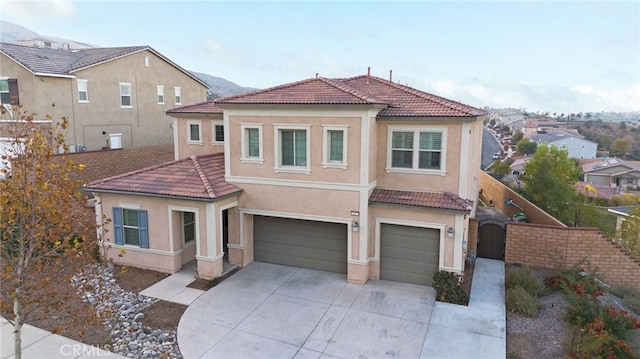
column 59, row 62
column 208, row 107
column 446, row 200
column 554, row 137
column 610, row 162
column 196, row 177
column 395, row 100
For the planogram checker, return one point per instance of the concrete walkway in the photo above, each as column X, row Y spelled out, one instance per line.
column 275, row 311
column 174, row 287
column 38, row 344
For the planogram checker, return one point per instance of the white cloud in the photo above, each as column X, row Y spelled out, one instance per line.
column 445, row 87
column 38, row 10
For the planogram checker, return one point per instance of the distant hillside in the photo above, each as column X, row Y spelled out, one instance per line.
column 11, row 33
column 605, row 133
column 221, row 87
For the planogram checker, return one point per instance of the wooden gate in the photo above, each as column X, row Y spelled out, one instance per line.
column 492, row 238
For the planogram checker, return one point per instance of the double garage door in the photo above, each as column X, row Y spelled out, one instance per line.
column 409, row 254
column 300, row 243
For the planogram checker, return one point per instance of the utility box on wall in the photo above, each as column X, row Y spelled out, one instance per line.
column 115, row 140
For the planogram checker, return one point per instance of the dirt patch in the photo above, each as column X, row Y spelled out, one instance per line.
column 163, row 315
column 204, row 284
column 135, row 279
column 542, row 337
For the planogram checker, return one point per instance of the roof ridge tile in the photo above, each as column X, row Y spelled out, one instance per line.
column 203, row 176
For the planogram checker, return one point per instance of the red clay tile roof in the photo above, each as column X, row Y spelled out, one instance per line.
column 398, row 100
column 446, row 200
column 200, row 178
column 208, row 107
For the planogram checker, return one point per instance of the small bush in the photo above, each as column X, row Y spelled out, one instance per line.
column 526, row 278
column 519, row 300
column 448, row 288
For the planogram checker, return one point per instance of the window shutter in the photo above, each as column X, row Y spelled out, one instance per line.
column 14, row 98
column 144, row 233
column 117, row 225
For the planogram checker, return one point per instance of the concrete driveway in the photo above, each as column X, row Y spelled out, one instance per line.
column 274, row 311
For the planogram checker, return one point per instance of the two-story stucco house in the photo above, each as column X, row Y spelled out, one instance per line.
column 113, row 97
column 360, row 176
column 576, row 146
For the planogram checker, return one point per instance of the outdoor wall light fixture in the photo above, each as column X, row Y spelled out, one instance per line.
column 356, row 226
column 450, row 232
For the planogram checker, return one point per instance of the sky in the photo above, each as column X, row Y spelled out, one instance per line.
column 546, row 56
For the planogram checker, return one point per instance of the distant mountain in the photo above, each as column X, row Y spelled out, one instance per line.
column 221, row 87
column 11, row 33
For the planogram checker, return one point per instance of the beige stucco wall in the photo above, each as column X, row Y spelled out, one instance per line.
column 145, row 124
column 184, row 148
column 164, row 254
column 350, row 175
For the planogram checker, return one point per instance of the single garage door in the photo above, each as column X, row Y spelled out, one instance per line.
column 300, row 243
column 409, row 254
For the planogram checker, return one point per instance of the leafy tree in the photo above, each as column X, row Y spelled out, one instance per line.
column 517, row 137
column 629, row 233
column 45, row 224
column 549, row 182
column 505, row 129
column 492, row 122
column 526, row 147
column 620, row 147
column 501, row 168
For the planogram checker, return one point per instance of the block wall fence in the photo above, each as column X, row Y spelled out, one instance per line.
column 544, row 240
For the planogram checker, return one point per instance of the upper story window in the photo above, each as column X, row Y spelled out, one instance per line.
column 130, row 227
column 178, row 93
column 9, row 91
column 218, row 132
column 160, row 91
column 416, row 149
column 194, row 132
column 292, row 148
column 335, row 146
column 251, row 142
column 125, row 95
column 83, row 94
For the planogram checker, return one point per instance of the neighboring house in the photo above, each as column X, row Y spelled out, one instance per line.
column 622, row 213
column 359, row 176
column 517, row 167
column 112, row 97
column 576, row 146
column 613, row 172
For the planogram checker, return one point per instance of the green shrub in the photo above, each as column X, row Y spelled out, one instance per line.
column 526, row 278
column 519, row 300
column 448, row 289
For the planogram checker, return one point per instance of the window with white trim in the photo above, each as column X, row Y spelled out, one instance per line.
column 130, row 227
column 292, row 148
column 218, row 131
column 194, row 132
column 160, row 91
column 83, row 94
column 5, row 98
column 335, row 146
column 416, row 149
column 251, row 142
column 188, row 226
column 125, row 95
column 178, row 95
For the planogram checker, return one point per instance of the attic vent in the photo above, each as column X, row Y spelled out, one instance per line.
column 42, row 57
